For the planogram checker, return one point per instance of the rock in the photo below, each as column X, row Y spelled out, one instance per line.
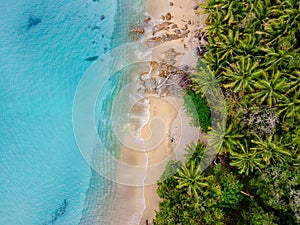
column 96, row 28
column 163, row 17
column 90, row 59
column 171, row 3
column 189, row 22
column 33, row 21
column 139, row 30
column 196, row 7
column 141, row 92
column 168, row 16
column 154, row 65
column 159, row 27
column 174, row 26
column 147, row 19
column 177, row 31
column 186, row 31
column 135, row 39
column 102, row 17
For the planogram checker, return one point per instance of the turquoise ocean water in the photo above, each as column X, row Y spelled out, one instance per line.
column 43, row 47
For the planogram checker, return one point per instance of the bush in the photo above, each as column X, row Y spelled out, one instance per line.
column 197, row 108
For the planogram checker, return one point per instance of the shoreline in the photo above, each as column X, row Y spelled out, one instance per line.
column 135, row 205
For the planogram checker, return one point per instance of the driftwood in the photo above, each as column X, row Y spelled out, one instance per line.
column 160, row 85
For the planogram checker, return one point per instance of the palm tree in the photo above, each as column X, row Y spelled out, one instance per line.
column 213, row 59
column 246, row 161
column 271, row 91
column 289, row 110
column 215, row 24
column 276, row 57
column 248, row 45
column 204, row 80
column 227, row 44
column 294, row 84
column 195, row 152
column 240, row 75
column 190, row 178
column 270, row 149
column 224, row 140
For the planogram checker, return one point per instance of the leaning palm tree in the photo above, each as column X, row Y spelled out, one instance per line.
column 190, row 178
column 204, row 80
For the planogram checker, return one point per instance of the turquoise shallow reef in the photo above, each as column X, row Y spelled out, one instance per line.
column 45, row 49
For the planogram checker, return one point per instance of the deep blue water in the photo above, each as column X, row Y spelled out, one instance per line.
column 43, row 47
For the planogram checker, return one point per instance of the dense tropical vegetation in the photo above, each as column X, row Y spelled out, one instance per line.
column 254, row 53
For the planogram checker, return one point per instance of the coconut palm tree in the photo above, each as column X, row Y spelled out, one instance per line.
column 276, row 57
column 190, row 178
column 248, row 44
column 213, row 59
column 215, row 24
column 289, row 110
column 204, row 80
column 195, row 152
column 270, row 149
column 240, row 76
column 245, row 159
column 224, row 140
column 227, row 44
column 270, row 90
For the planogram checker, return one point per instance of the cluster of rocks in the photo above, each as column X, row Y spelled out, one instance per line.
column 173, row 32
column 170, row 81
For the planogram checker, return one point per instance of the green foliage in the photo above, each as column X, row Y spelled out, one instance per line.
column 278, row 187
column 191, row 197
column 197, row 108
column 191, row 179
column 254, row 53
column 170, row 170
column 230, row 188
column 257, row 216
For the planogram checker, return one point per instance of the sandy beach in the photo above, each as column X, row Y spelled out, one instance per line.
column 174, row 22
column 183, row 16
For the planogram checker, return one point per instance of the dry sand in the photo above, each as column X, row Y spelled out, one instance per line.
column 170, row 114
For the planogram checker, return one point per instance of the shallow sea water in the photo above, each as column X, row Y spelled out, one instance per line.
column 43, row 46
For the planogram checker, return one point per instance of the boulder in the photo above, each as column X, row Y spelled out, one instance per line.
column 138, row 30
column 147, row 19
column 168, row 16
